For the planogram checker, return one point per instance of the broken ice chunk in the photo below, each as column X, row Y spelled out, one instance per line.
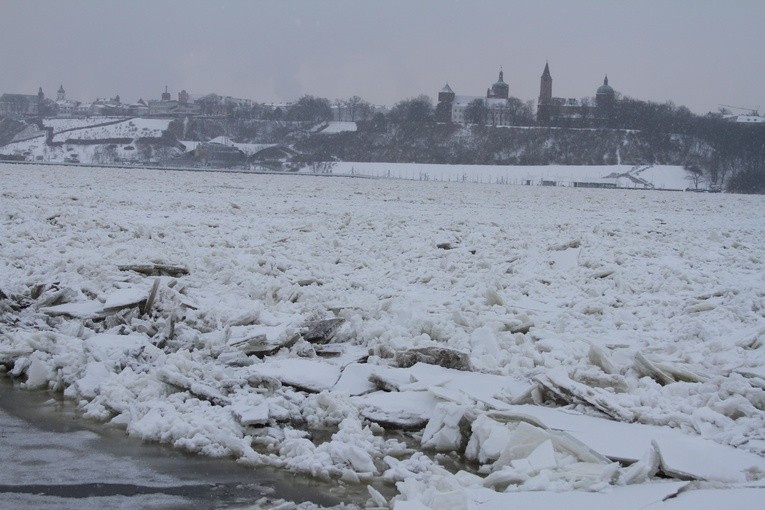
column 441, row 356
column 443, row 431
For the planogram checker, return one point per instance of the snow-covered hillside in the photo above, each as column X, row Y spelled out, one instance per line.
column 540, row 346
column 133, row 128
column 77, row 123
column 93, row 141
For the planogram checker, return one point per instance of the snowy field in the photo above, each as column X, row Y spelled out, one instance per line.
column 539, row 347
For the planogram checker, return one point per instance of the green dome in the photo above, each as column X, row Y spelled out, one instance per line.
column 605, row 88
column 501, row 82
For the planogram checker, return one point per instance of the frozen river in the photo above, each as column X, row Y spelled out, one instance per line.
column 518, row 334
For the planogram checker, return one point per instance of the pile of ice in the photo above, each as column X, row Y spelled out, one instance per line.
column 473, row 345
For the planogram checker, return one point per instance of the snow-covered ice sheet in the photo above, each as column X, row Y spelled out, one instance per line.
column 641, row 305
column 313, row 375
column 633, row 497
column 681, row 454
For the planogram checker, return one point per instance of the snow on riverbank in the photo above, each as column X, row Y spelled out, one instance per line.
column 666, row 177
column 554, row 339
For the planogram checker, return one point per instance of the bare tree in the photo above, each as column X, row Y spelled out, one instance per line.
column 358, row 109
column 695, row 175
column 476, row 112
column 310, row 108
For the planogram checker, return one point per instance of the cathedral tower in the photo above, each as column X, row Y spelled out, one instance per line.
column 545, row 86
column 544, row 106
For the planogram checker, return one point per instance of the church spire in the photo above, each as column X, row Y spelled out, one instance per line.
column 545, row 86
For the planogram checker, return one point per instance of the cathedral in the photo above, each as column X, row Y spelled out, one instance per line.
column 550, row 110
column 558, row 110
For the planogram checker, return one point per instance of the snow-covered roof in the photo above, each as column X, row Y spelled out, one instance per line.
column 248, row 148
column 490, row 102
column 338, row 127
column 465, row 100
column 750, row 119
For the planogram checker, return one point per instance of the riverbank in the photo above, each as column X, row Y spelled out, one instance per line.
column 53, row 458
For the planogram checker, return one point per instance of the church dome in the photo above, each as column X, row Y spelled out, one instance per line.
column 605, row 88
column 501, row 82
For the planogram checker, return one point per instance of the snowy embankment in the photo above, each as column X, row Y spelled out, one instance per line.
column 130, row 128
column 109, row 141
column 664, row 177
column 530, row 340
column 59, row 125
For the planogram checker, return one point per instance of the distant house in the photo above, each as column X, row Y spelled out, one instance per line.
column 170, row 109
column 66, row 108
column 218, row 154
column 595, row 184
column 745, row 119
column 109, row 107
column 82, row 110
column 138, row 109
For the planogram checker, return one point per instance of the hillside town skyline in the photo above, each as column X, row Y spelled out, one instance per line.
column 501, row 106
column 696, row 54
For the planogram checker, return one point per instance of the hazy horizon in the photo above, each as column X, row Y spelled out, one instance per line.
column 700, row 54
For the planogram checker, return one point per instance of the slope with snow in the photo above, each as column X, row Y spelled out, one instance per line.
column 131, row 128
column 593, row 341
column 59, row 125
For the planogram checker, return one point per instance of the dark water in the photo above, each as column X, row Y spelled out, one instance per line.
column 52, row 458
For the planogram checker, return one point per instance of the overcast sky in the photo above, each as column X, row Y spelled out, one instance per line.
column 698, row 53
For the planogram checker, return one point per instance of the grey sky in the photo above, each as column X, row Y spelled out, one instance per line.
column 699, row 53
